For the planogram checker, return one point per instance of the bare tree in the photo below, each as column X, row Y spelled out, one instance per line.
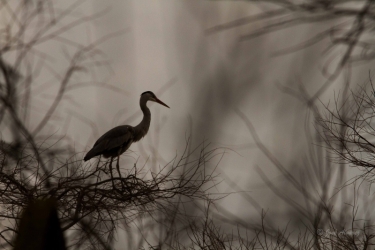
column 36, row 163
column 348, row 29
column 356, row 146
column 327, row 213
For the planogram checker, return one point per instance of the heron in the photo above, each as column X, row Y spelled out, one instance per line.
column 117, row 140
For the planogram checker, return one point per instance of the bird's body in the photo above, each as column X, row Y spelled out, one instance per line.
column 117, row 140
column 113, row 143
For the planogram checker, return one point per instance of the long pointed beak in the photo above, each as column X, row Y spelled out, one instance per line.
column 160, row 102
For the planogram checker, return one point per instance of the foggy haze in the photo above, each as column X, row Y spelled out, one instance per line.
column 208, row 78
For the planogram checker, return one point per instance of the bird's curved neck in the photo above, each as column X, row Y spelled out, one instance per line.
column 142, row 128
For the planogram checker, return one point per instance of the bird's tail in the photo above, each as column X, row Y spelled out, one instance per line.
column 90, row 155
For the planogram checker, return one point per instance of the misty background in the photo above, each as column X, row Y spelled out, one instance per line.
column 206, row 77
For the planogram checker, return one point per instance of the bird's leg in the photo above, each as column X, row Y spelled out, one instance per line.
column 118, row 166
column 110, row 170
column 118, row 170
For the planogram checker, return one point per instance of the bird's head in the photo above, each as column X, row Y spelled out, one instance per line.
column 149, row 96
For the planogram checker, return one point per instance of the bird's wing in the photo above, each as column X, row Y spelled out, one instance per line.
column 111, row 139
column 115, row 137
